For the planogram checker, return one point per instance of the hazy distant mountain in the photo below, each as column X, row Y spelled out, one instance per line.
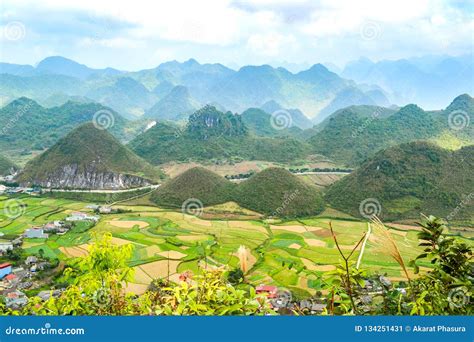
column 37, row 87
column 175, row 106
column 298, row 119
column 198, row 78
column 163, row 89
column 351, row 96
column 315, row 92
column 429, row 81
column 59, row 99
column 133, row 93
column 16, row 69
column 125, row 95
column 63, row 66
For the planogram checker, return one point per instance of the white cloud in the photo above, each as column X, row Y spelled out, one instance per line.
column 270, row 44
column 244, row 31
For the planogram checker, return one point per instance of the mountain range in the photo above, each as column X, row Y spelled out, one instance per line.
column 30, row 126
column 133, row 94
column 212, row 134
column 429, row 81
column 352, row 134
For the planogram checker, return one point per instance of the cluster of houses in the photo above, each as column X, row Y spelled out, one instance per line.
column 316, row 305
column 43, row 232
column 15, row 279
column 58, row 227
column 8, row 179
column 55, row 227
column 9, row 190
column 8, row 245
column 80, row 216
column 101, row 209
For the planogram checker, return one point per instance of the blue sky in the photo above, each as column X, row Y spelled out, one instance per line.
column 139, row 34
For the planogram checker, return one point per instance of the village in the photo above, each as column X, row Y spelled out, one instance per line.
column 20, row 274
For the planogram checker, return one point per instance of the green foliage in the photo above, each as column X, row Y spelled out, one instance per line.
column 211, row 295
column 96, row 288
column 343, row 281
column 235, row 276
column 446, row 288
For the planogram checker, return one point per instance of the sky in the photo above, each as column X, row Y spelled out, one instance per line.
column 139, row 34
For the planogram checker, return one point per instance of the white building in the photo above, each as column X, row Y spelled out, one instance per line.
column 5, row 246
column 36, row 233
column 78, row 216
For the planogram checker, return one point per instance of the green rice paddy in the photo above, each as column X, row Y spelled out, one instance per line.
column 291, row 254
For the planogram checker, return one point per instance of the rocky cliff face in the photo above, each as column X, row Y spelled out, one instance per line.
column 69, row 176
column 209, row 122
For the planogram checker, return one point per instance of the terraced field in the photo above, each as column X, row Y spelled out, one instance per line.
column 291, row 254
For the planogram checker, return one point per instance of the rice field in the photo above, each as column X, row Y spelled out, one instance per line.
column 292, row 254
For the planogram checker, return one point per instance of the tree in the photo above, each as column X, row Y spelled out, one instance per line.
column 447, row 287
